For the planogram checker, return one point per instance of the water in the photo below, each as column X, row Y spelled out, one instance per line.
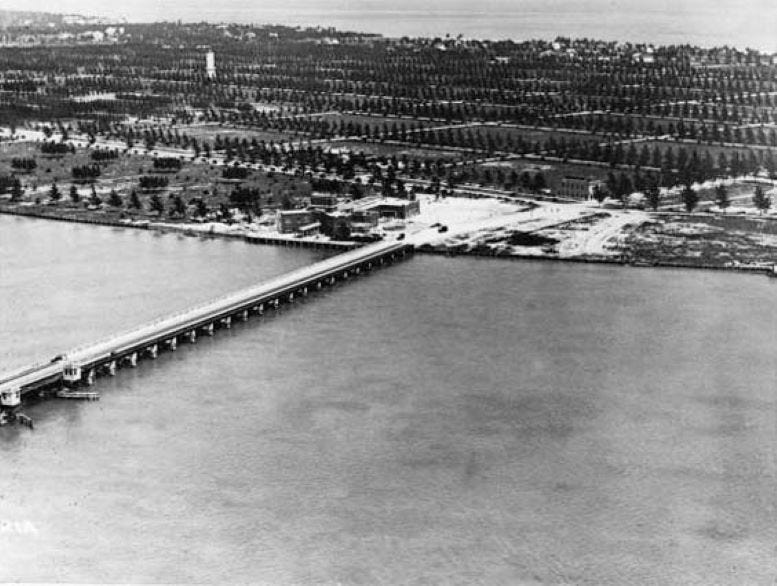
column 742, row 23
column 441, row 421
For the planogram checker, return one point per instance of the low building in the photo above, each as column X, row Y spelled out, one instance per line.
column 336, row 225
column 309, row 229
column 388, row 207
column 323, row 201
column 290, row 221
column 575, row 187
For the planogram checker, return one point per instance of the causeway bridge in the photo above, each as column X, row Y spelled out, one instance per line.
column 82, row 365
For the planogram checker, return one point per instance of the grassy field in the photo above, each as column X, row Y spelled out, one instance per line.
column 209, row 132
column 705, row 241
column 201, row 180
column 386, row 149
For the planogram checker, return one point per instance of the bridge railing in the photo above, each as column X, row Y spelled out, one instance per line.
column 281, row 281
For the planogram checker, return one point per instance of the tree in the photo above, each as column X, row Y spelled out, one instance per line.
column 721, row 197
column 74, row 195
column 599, row 194
column 653, row 195
column 538, row 183
column 134, row 201
column 114, row 199
column 16, row 190
column 178, row 208
column 689, row 198
column 760, row 200
column 155, row 204
column 54, row 193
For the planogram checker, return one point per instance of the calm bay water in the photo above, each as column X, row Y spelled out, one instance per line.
column 443, row 420
column 742, row 23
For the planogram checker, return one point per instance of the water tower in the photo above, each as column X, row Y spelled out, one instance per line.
column 210, row 64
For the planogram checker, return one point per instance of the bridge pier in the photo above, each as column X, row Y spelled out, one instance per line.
column 357, row 270
column 132, row 359
column 192, row 336
column 208, row 329
column 227, row 322
column 244, row 315
column 91, row 377
column 331, row 280
column 291, row 297
column 318, row 285
column 275, row 303
column 261, row 308
column 153, row 350
column 112, row 368
column 172, row 344
column 304, row 291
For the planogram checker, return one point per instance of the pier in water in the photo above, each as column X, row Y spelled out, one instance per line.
column 448, row 420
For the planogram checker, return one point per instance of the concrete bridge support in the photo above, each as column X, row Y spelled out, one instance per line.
column 291, row 297
column 304, row 291
column 208, row 329
column 153, row 350
column 275, row 303
column 172, row 343
column 244, row 315
column 91, row 377
column 132, row 359
column 111, row 368
column 192, row 336
column 226, row 322
column 318, row 285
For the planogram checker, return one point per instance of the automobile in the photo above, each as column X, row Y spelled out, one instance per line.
column 401, row 236
column 442, row 229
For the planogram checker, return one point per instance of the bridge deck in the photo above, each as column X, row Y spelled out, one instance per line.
column 167, row 327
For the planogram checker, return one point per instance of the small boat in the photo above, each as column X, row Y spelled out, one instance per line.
column 82, row 395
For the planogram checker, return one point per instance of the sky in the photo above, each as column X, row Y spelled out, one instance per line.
column 189, row 9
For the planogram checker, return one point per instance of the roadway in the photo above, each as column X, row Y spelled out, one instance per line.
column 166, row 328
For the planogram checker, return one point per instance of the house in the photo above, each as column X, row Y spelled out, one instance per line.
column 323, row 201
column 291, row 221
column 388, row 207
column 575, row 187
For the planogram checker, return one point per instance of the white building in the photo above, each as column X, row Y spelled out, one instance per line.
column 210, row 64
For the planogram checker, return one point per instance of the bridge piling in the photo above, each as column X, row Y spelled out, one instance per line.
column 106, row 356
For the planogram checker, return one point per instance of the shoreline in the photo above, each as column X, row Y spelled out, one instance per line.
column 188, row 230
column 587, row 260
column 185, row 229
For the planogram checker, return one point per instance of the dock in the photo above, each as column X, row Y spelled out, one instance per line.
column 82, row 365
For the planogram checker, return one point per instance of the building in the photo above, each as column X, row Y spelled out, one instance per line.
column 323, row 201
column 388, row 207
column 336, row 225
column 575, row 187
column 292, row 221
column 210, row 65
